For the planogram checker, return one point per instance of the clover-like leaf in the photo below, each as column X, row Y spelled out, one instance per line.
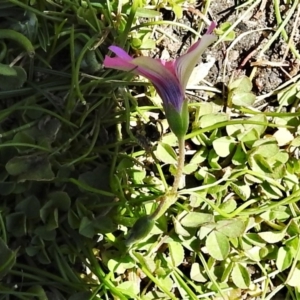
column 176, row 253
column 217, row 245
column 232, row 228
column 284, row 258
column 30, row 167
column 197, row 274
column 241, row 98
column 224, row 146
column 11, row 78
column 241, row 189
column 240, row 276
column 166, row 153
column 293, row 279
column 272, row 237
column 195, row 219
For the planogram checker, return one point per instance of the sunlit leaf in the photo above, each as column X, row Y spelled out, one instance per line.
column 231, row 228
column 217, row 245
column 240, row 276
column 284, row 258
column 195, row 219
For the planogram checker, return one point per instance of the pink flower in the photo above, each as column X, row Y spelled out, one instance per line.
column 168, row 77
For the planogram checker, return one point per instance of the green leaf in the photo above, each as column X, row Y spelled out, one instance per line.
column 195, row 219
column 23, row 137
column 6, row 70
column 91, row 178
column 217, row 245
column 45, row 234
column 228, row 206
column 205, row 230
column 176, row 253
column 179, row 229
column 197, row 274
column 200, row 156
column 242, row 84
column 284, row 258
column 30, row 206
column 232, row 228
column 241, row 189
column 224, row 146
column 73, row 219
column 230, row 36
column 212, row 119
column 239, row 158
column 146, row 13
column 7, row 259
column 287, row 96
column 31, row 167
column 189, row 168
column 272, row 237
column 266, row 147
column 39, row 291
column 271, row 191
column 249, row 137
column 213, row 160
column 86, row 228
column 234, row 130
column 11, row 78
column 104, row 224
column 177, row 10
column 128, row 288
column 7, row 188
column 260, row 129
column 227, row 272
column 293, row 278
column 61, row 200
column 254, row 239
column 166, row 154
column 16, row 224
column 119, row 264
column 240, row 276
column 263, row 163
column 256, row 253
column 241, row 98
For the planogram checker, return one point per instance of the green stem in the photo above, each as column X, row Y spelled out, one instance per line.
column 180, row 164
column 170, row 198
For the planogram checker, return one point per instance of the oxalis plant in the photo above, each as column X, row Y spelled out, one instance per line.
column 170, row 79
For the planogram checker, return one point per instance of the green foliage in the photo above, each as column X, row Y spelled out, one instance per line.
column 230, row 36
column 240, row 92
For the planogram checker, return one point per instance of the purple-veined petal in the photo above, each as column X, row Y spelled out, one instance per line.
column 165, row 81
column 185, row 64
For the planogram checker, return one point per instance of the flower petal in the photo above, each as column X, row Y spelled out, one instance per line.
column 118, row 64
column 120, row 52
column 185, row 64
column 121, row 62
column 163, row 79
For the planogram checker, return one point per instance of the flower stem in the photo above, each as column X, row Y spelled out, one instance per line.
column 170, row 198
column 180, row 165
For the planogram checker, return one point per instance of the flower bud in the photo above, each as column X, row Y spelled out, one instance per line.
column 178, row 120
column 140, row 230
